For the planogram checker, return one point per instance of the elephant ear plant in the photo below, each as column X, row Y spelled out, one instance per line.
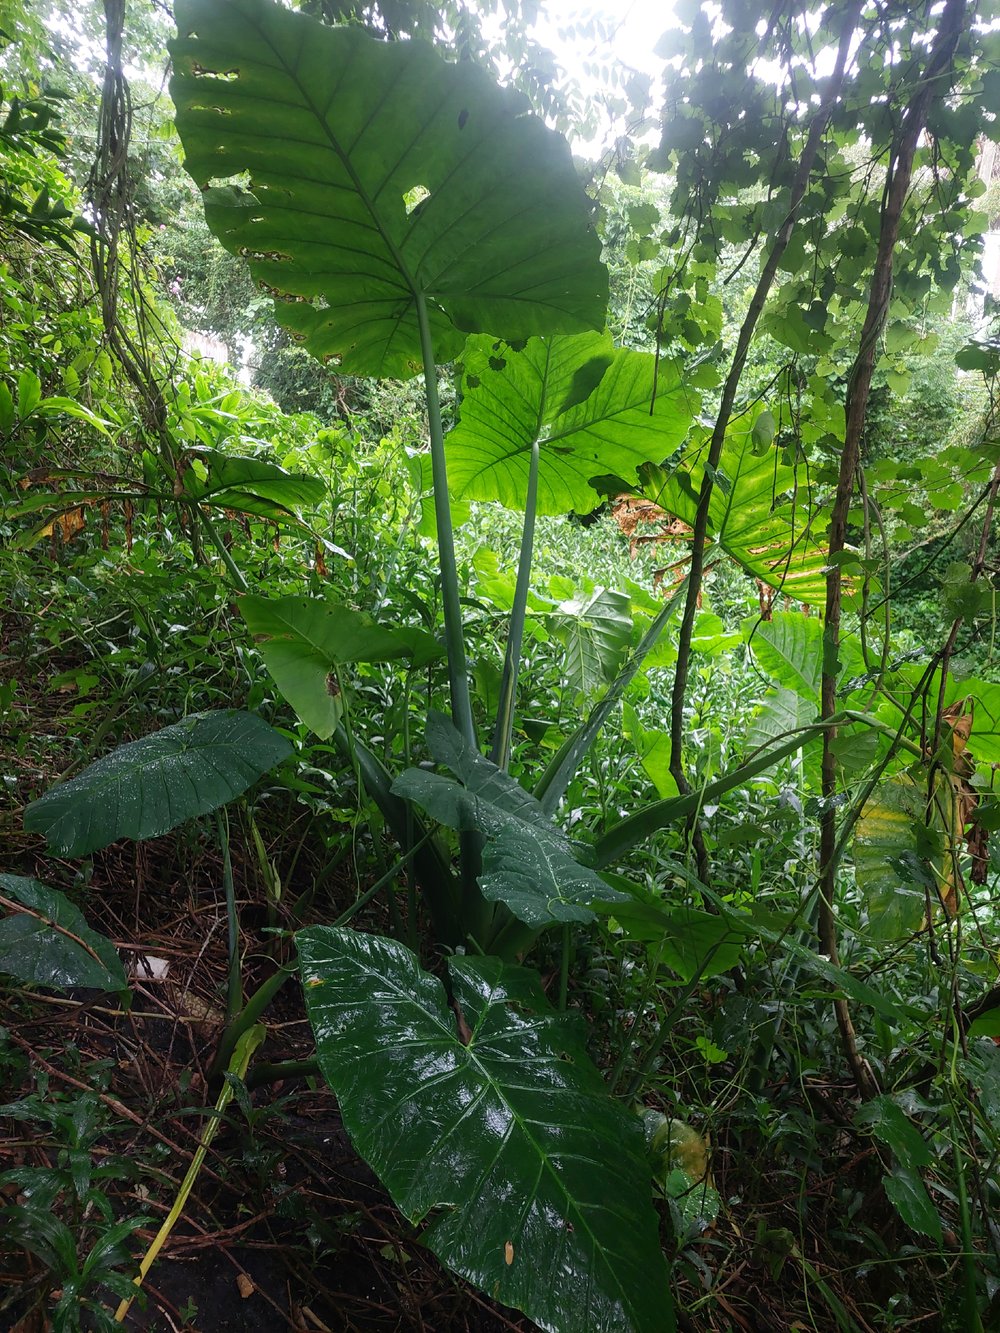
column 395, row 204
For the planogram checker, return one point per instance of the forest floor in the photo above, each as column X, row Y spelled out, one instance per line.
column 286, row 1227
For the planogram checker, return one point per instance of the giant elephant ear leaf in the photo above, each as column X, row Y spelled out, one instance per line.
column 148, row 787
column 378, row 175
column 761, row 513
column 534, row 1188
column 590, row 409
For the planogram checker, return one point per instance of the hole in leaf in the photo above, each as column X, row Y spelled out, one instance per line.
column 274, row 256
column 222, row 75
column 412, row 199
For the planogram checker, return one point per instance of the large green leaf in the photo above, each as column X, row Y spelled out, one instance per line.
column 148, row 787
column 496, row 1129
column 761, row 513
column 894, row 878
column 528, row 862
column 249, row 485
column 377, row 173
column 592, row 410
column 890, row 1123
column 305, row 638
column 526, row 865
column 51, row 944
column 595, row 630
column 789, row 647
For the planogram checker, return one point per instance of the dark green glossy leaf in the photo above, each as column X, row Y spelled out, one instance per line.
column 148, row 787
column 36, row 953
column 893, row 1126
column 479, row 775
column 528, row 865
column 908, row 1195
column 497, row 1131
column 378, row 172
column 528, row 862
column 536, row 876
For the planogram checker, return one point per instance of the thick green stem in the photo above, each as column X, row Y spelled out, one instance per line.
column 458, row 675
column 564, row 961
column 234, row 997
column 232, row 568
column 259, row 1076
column 515, row 635
column 476, row 914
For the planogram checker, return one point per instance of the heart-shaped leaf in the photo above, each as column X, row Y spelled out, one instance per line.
column 591, row 409
column 306, row 638
column 148, row 787
column 494, row 1128
column 379, row 173
column 51, row 944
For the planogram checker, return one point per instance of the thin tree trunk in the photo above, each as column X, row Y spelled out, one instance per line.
column 763, row 289
column 933, row 83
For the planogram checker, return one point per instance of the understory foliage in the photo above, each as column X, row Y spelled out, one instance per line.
column 547, row 663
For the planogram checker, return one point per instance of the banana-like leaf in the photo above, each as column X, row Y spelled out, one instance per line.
column 305, row 638
column 51, row 944
column 591, row 409
column 148, row 787
column 249, row 485
column 493, row 1127
column 761, row 514
column 378, row 173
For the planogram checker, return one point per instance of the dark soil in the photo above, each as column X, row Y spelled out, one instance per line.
column 286, row 1226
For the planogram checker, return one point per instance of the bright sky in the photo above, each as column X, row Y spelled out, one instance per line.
column 637, row 26
column 633, row 28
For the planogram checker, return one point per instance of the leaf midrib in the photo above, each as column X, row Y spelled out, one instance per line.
column 475, row 1063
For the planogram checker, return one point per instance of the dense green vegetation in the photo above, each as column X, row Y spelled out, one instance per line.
column 525, row 720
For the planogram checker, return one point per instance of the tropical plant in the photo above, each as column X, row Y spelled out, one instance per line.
column 399, row 232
